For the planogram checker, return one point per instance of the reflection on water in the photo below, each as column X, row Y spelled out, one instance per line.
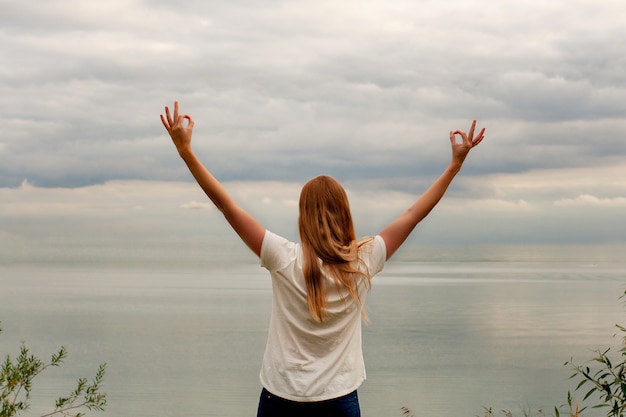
column 445, row 338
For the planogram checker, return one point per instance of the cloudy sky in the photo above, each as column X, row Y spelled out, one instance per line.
column 366, row 91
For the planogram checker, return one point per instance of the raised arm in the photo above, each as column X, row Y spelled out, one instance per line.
column 397, row 231
column 180, row 128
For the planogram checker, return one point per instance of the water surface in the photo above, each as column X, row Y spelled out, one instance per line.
column 451, row 329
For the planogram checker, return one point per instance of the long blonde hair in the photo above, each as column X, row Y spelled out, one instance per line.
column 327, row 234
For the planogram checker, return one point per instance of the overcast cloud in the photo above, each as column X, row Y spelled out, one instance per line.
column 366, row 91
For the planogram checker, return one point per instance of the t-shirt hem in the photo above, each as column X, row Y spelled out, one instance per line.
column 315, row 398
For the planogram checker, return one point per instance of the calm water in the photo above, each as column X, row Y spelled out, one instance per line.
column 451, row 329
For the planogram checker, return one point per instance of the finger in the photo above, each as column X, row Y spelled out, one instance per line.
column 165, row 123
column 169, row 117
column 453, row 138
column 453, row 134
column 175, row 110
column 479, row 138
column 471, row 131
column 190, row 121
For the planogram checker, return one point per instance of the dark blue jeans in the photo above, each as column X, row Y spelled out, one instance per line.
column 271, row 405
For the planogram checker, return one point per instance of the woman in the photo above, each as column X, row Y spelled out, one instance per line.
column 313, row 361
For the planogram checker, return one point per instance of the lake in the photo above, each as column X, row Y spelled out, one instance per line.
column 452, row 328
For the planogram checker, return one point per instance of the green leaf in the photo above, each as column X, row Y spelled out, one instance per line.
column 591, row 391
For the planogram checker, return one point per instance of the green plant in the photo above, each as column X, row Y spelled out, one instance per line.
column 607, row 381
column 488, row 412
column 16, row 382
column 406, row 412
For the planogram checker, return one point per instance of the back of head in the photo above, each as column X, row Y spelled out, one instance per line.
column 325, row 221
column 327, row 234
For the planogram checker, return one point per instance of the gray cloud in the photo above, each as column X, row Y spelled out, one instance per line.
column 366, row 91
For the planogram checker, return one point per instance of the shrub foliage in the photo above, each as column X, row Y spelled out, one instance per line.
column 16, row 383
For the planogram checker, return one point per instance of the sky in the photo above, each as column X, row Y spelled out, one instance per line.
column 366, row 91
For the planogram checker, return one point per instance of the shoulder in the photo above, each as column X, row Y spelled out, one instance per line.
column 372, row 244
column 276, row 251
column 373, row 252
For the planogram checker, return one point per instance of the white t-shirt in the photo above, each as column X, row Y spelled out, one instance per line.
column 305, row 360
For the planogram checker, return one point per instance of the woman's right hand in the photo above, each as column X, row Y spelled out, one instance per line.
column 468, row 141
column 179, row 131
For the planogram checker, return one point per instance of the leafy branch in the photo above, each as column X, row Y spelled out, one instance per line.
column 607, row 383
column 16, row 382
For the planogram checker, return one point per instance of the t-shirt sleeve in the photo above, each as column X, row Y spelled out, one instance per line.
column 374, row 254
column 275, row 251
